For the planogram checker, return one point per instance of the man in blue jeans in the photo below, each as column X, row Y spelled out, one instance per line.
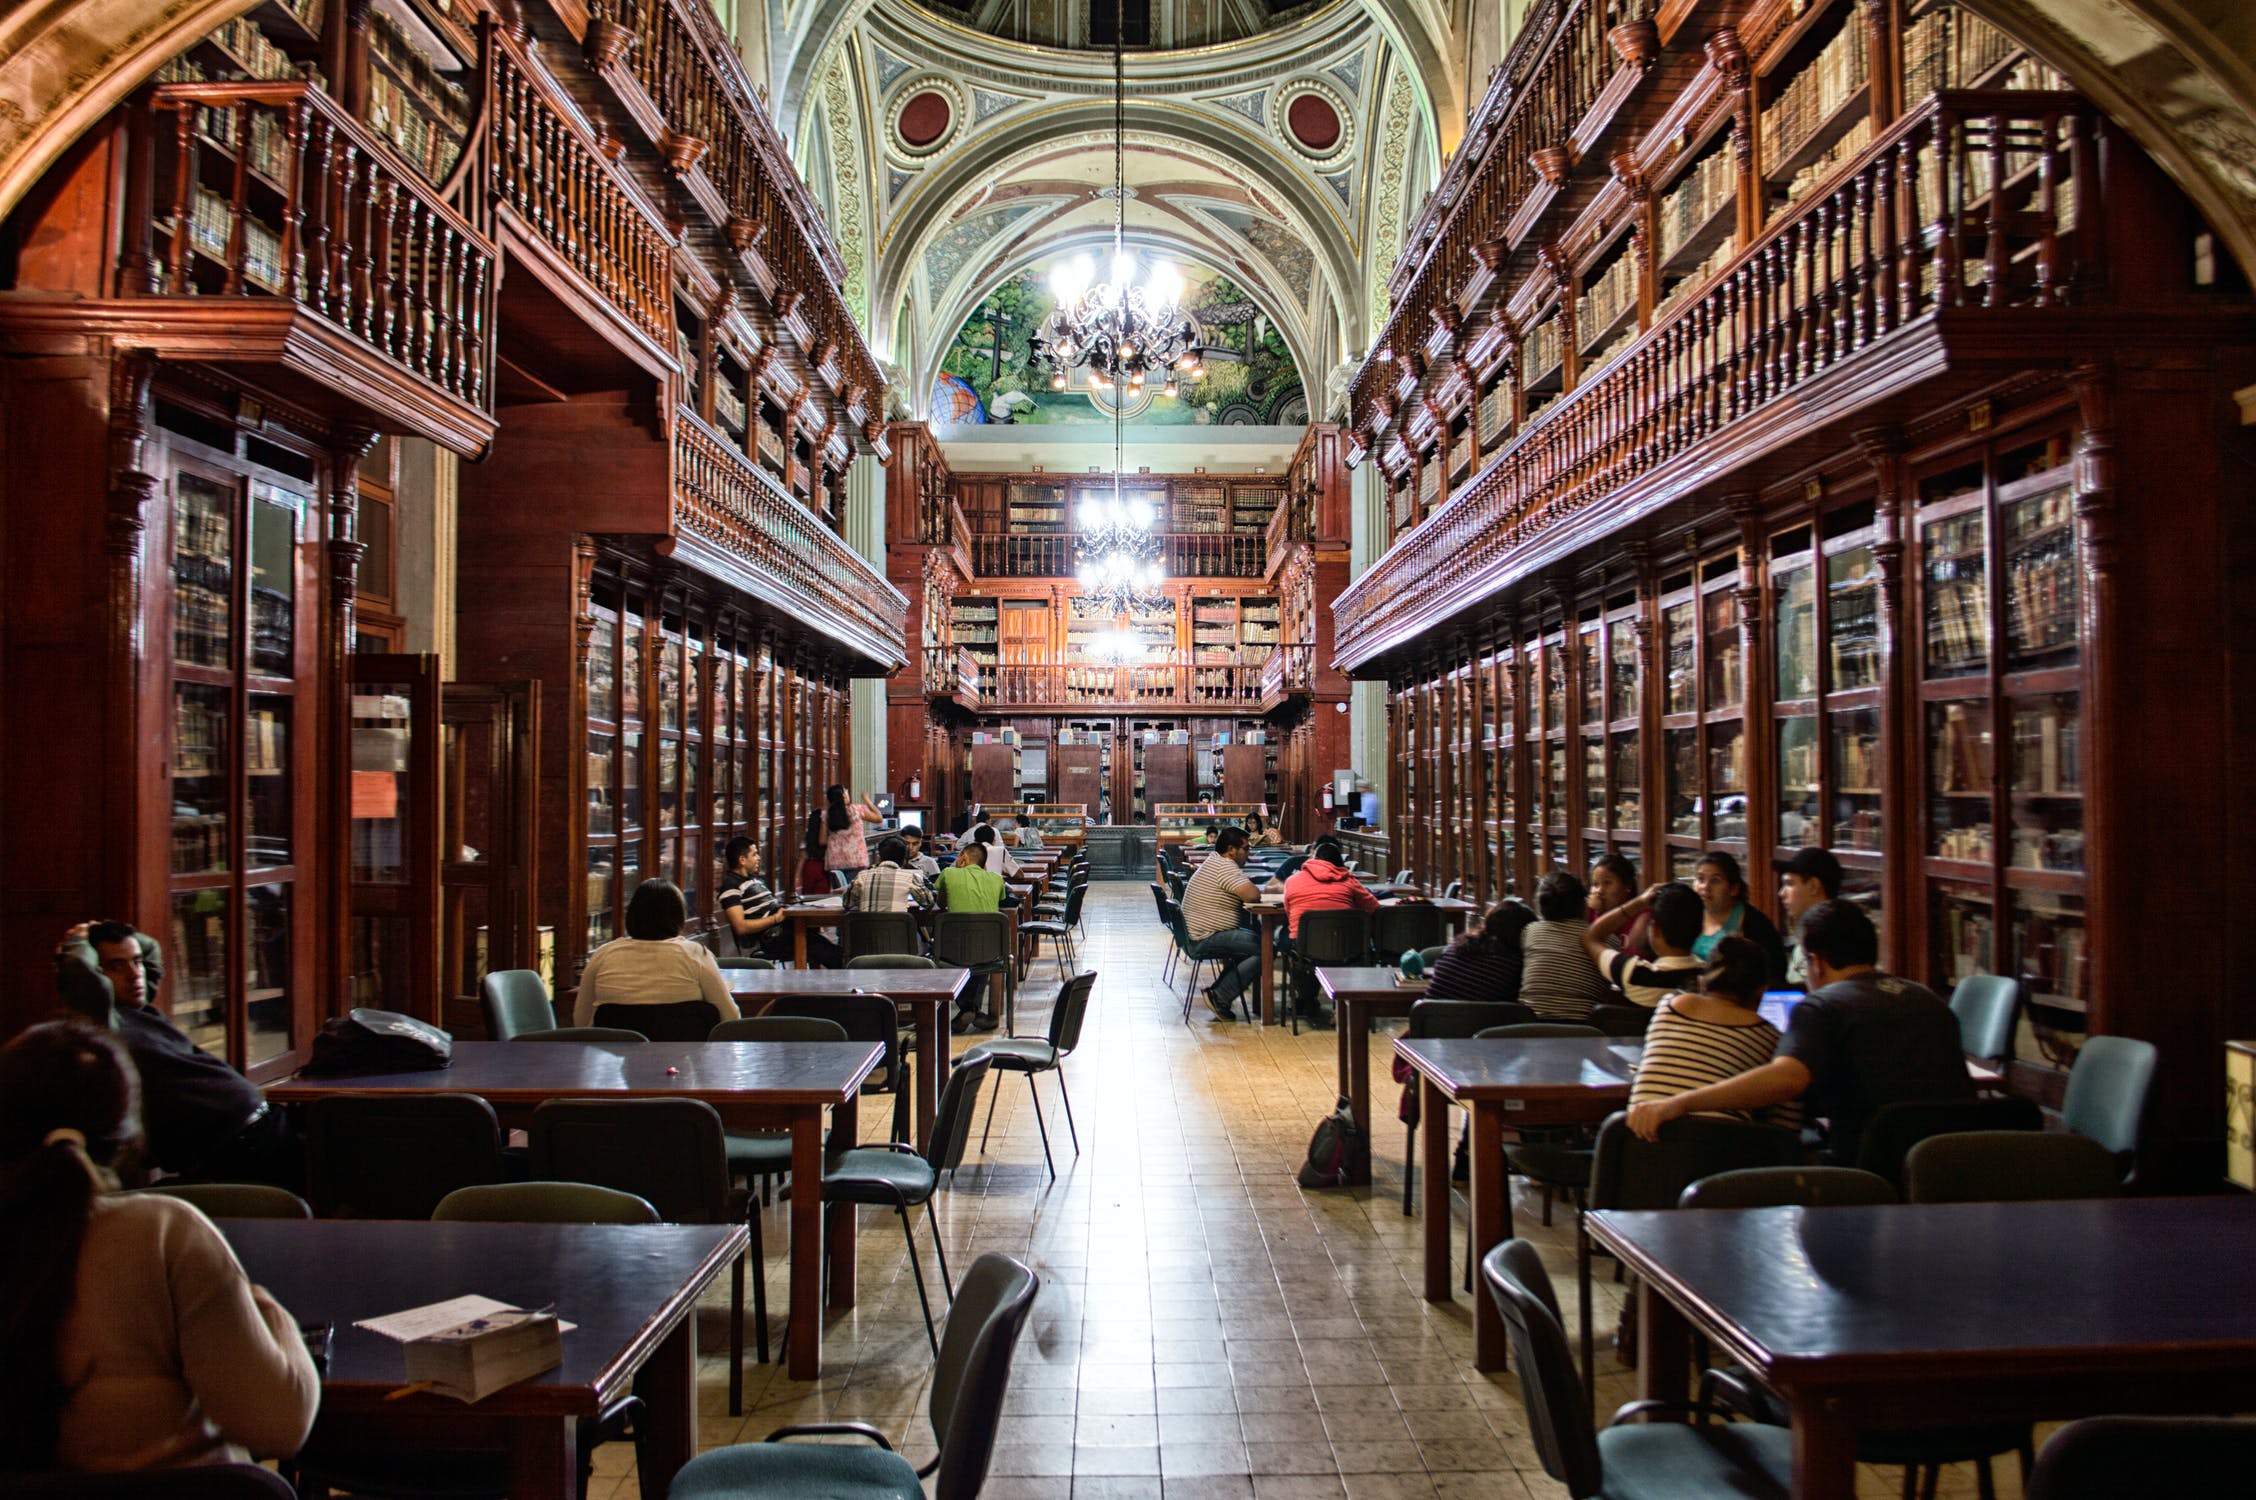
column 1214, row 915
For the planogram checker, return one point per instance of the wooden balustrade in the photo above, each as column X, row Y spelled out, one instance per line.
column 1975, row 202
column 1143, row 685
column 722, row 496
column 951, row 672
column 542, row 160
column 1290, row 669
column 1184, row 554
column 272, row 190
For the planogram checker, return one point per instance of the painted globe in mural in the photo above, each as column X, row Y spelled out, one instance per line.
column 954, row 400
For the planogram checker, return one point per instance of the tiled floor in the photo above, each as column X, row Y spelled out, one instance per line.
column 1205, row 1330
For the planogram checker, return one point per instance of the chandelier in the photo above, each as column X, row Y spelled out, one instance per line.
column 1116, row 555
column 1123, row 333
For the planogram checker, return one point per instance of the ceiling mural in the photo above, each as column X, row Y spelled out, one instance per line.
column 986, row 159
column 1247, row 375
column 1089, row 23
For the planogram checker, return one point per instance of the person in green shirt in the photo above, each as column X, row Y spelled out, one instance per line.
column 968, row 885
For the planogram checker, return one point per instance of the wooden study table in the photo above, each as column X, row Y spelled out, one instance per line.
column 927, row 994
column 1502, row 1081
column 1269, row 912
column 754, row 1086
column 632, row 1291
column 1358, row 995
column 1919, row 1315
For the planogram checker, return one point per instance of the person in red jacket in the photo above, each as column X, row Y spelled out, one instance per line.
column 1321, row 884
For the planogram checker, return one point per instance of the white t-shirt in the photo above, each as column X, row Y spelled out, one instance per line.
column 650, row 971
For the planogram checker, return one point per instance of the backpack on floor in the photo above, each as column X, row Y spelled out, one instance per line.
column 1335, row 1147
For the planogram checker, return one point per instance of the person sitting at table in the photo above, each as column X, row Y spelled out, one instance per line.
column 968, row 885
column 1483, row 963
column 129, row 1335
column 1029, row 836
column 1613, row 881
column 1261, row 835
column 1674, row 910
column 1558, row 980
column 912, row 839
column 1322, row 883
column 1706, row 1035
column 199, row 1116
column 998, row 853
column 887, row 885
column 1723, row 891
column 653, row 964
column 1214, row 917
column 757, row 918
column 1811, row 876
column 814, row 875
column 1860, row 1039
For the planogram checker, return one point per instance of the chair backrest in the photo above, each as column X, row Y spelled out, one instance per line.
column 1396, row 929
column 681, row 1021
column 543, row 1203
column 2009, row 1166
column 514, row 1001
column 973, row 1372
column 194, row 1482
column 1535, row 1030
column 839, row 880
column 1179, row 929
column 890, row 961
column 1463, row 1018
column 774, row 1028
column 1333, row 937
column 1621, row 1020
column 1073, row 899
column 865, row 1018
column 1159, row 901
column 951, row 1118
column 1433, row 954
column 1895, row 1128
column 1788, row 1187
column 394, row 1156
column 238, row 1200
column 745, row 963
column 1068, row 1011
column 1289, row 867
column 879, row 932
column 971, row 938
column 2131, row 1458
column 2107, row 1092
column 1558, row 1418
column 1986, row 1005
column 671, row 1153
column 582, row 1034
column 1632, row 1173
column 1402, row 876
column 1453, row 891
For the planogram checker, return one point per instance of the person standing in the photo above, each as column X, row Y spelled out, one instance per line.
column 1811, row 876
column 844, row 847
column 1214, row 903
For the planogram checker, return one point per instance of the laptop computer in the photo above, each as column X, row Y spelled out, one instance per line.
column 1777, row 1006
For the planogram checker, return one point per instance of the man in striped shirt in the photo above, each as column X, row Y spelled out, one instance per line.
column 1214, row 915
column 1675, row 927
column 1558, row 980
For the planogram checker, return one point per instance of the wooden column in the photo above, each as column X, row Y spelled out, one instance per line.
column 132, row 818
column 1755, row 701
column 347, row 448
column 1900, row 719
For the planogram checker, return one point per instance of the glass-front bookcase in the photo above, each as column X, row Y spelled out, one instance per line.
column 1499, row 733
column 1998, row 608
column 1703, row 721
column 239, row 928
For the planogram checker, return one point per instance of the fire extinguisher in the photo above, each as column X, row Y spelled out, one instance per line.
column 916, row 789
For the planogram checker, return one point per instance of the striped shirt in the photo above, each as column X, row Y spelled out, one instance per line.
column 1649, row 981
column 1211, row 902
column 886, row 887
column 1473, row 968
column 1557, row 979
column 1683, row 1052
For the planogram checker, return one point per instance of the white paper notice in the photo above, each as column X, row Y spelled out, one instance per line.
column 438, row 1317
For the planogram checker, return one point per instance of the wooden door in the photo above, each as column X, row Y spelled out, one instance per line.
column 1167, row 774
column 394, row 895
column 488, row 841
column 1080, row 776
column 1245, row 774
column 994, row 773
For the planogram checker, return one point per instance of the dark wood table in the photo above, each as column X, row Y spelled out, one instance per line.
column 1503, row 1081
column 1358, row 995
column 819, row 911
column 1942, row 1314
column 1269, row 912
column 632, row 1292
column 754, row 1086
column 926, row 994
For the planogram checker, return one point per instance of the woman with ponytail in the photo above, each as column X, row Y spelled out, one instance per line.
column 129, row 1336
column 845, row 849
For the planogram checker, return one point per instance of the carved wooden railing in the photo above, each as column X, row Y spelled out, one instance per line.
column 1184, row 554
column 1516, row 141
column 712, row 122
column 543, row 160
column 272, row 190
column 1145, row 685
column 724, row 497
column 1971, row 203
column 1290, row 669
column 951, row 671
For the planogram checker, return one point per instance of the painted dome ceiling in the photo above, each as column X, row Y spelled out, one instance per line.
column 1088, row 24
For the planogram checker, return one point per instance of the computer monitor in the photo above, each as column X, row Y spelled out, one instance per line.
column 1777, row 1006
column 911, row 817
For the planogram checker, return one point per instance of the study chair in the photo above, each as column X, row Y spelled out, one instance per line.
column 1031, row 1055
column 514, row 1001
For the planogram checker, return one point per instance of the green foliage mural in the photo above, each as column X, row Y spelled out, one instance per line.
column 1247, row 375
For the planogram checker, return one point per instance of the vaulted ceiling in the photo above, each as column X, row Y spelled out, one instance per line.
column 951, row 159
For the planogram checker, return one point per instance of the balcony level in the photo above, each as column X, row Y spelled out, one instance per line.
column 1048, row 687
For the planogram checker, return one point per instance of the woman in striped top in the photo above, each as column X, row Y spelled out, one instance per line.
column 1705, row 1036
column 1483, row 965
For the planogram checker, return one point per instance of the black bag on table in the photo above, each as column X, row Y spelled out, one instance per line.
column 378, row 1041
column 1335, row 1147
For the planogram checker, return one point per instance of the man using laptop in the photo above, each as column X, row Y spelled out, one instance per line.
column 1861, row 1039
